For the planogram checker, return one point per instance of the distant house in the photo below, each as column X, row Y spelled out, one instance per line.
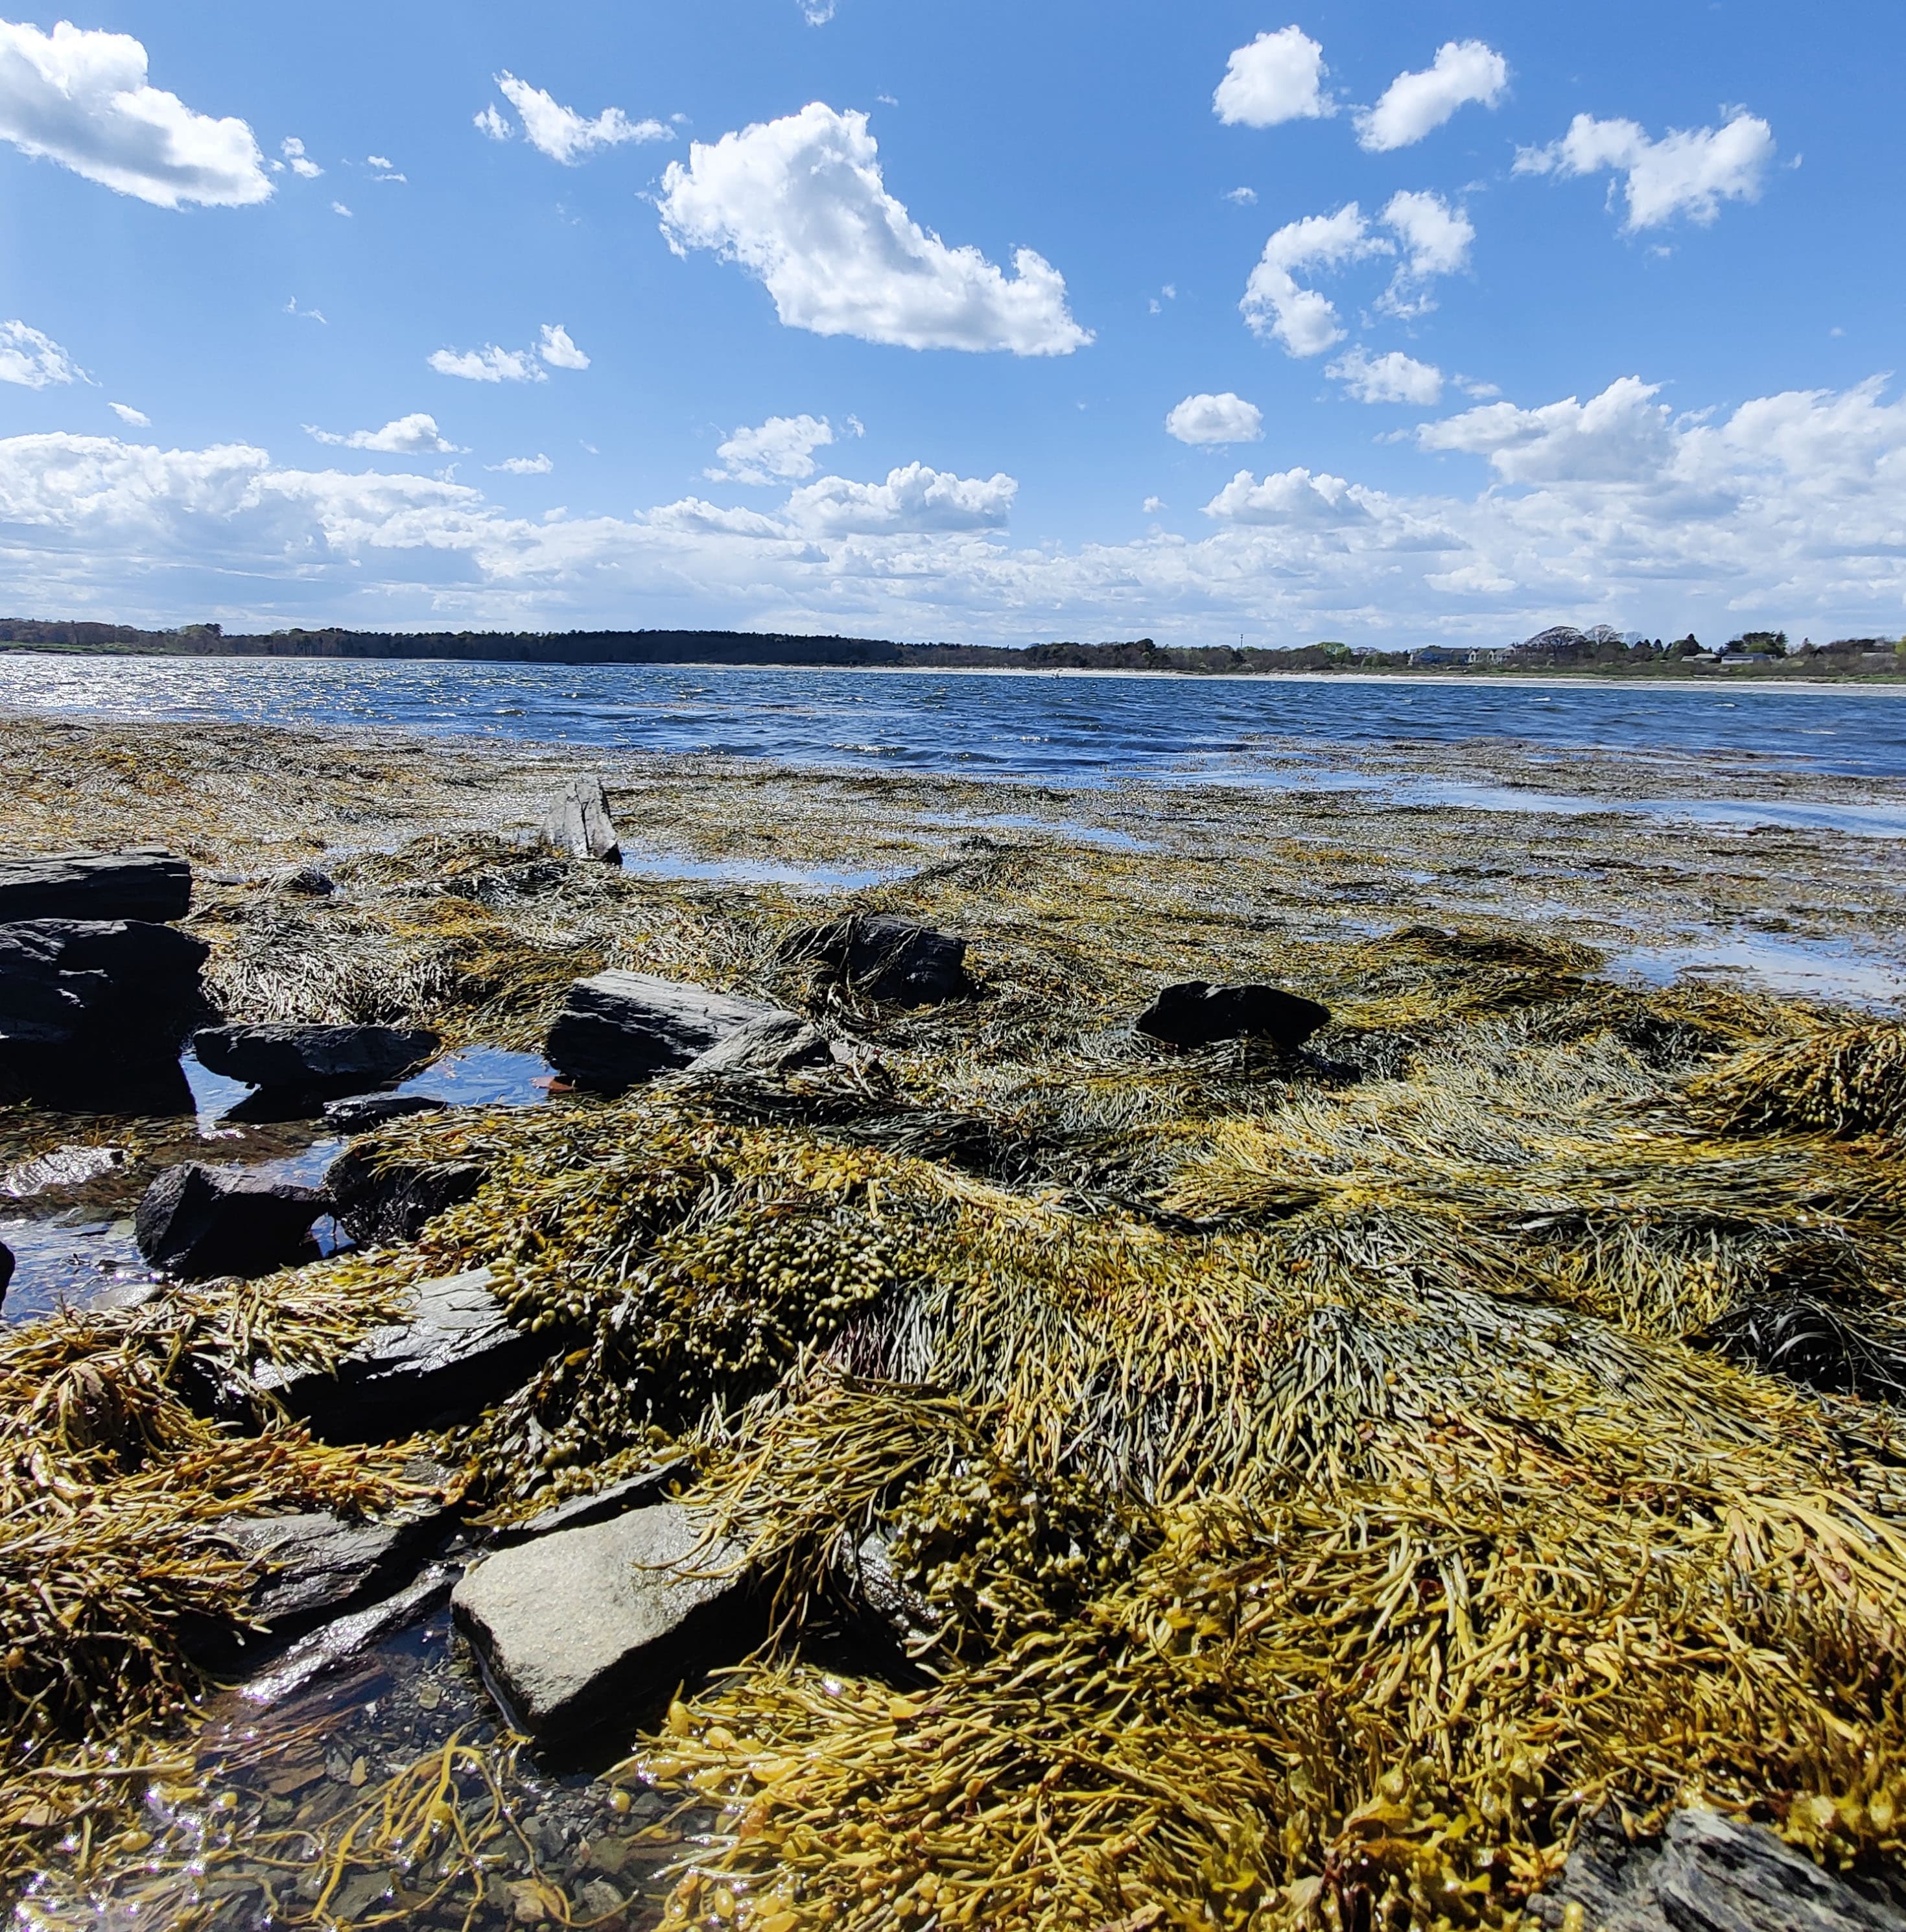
column 1433, row 655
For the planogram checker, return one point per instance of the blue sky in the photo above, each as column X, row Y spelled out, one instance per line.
column 1384, row 322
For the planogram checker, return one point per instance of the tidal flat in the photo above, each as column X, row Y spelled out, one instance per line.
column 1314, row 1485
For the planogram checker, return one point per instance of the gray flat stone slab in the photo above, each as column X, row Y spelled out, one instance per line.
column 581, row 1628
column 618, row 1028
column 781, row 1043
column 456, row 1352
column 579, row 824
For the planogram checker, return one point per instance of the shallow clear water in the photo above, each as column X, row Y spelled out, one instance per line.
column 1071, row 729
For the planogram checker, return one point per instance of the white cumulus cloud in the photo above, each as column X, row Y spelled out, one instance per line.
column 490, row 120
column 801, row 204
column 1274, row 304
column 1392, row 378
column 1622, row 436
column 560, row 132
column 780, row 450
column 914, row 499
column 1290, row 496
column 1688, row 171
column 415, row 435
column 128, row 414
column 557, row 350
column 488, row 364
column 523, row 466
column 301, row 164
column 34, row 360
column 1225, row 418
column 1278, row 77
column 1416, row 104
column 82, row 98
column 1436, row 240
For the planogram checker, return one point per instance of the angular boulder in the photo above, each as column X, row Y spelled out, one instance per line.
column 620, row 1028
column 383, row 1202
column 1197, row 1013
column 147, row 884
column 315, row 1564
column 454, row 1352
column 197, row 1221
column 580, row 1628
column 312, row 1059
column 90, row 1006
column 768, row 1047
column 579, row 824
column 1708, row 1873
column 884, row 958
column 369, row 1111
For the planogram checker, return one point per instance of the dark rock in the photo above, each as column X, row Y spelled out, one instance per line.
column 6, row 1269
column 147, row 884
column 1709, row 1874
column 317, row 1564
column 89, row 1006
column 778, row 1044
column 196, row 1222
column 884, row 958
column 454, row 1353
column 580, row 1628
column 313, row 1059
column 1195, row 1014
column 361, row 1115
column 379, row 1201
column 618, row 1028
column 337, row 1642
column 579, row 824
column 308, row 882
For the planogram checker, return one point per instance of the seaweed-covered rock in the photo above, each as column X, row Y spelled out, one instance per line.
column 147, row 884
column 1197, row 1013
column 884, row 958
column 366, row 1112
column 579, row 824
column 312, row 1059
column 196, row 1222
column 454, row 1351
column 1708, row 1873
column 620, row 1028
column 382, row 1201
column 582, row 1628
column 89, row 1006
column 778, row 1044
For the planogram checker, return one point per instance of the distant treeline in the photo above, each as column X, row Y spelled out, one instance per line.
column 575, row 647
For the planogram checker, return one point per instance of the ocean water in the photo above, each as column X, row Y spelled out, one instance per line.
column 1076, row 730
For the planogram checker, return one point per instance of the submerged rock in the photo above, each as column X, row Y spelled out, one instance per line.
column 1708, row 1873
column 337, row 1642
column 370, row 1111
column 580, row 1628
column 775, row 1045
column 885, row 957
column 383, row 1202
column 147, row 884
column 312, row 1059
column 196, row 1222
column 579, row 824
column 1197, row 1013
column 454, row 1352
column 89, row 1006
column 620, row 1028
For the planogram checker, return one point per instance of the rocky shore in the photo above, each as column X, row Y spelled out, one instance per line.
column 983, row 1358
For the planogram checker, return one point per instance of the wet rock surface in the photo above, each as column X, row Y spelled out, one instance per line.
column 1708, row 1873
column 454, row 1351
column 884, row 958
column 146, row 884
column 583, row 1627
column 388, row 1203
column 196, row 1222
column 579, row 824
column 365, row 1113
column 312, row 1059
column 620, row 1028
column 1195, row 1013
